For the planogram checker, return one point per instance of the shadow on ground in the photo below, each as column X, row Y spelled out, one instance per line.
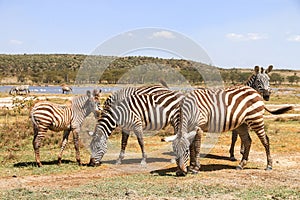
column 53, row 162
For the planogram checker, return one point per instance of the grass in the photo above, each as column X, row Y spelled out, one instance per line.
column 17, row 160
column 144, row 186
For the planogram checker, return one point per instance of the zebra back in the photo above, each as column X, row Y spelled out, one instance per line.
column 125, row 92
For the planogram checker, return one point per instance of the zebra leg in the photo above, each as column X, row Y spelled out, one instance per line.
column 195, row 154
column 140, row 138
column 63, row 145
column 76, row 145
column 246, row 141
column 36, row 146
column 125, row 136
column 233, row 141
column 265, row 141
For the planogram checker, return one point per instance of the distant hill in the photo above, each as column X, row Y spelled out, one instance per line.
column 64, row 68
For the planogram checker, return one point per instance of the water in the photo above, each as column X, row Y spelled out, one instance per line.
column 58, row 90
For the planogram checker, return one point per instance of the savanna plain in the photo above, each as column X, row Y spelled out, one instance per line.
column 20, row 178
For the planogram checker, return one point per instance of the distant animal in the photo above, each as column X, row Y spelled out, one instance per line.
column 19, row 90
column 46, row 115
column 66, row 89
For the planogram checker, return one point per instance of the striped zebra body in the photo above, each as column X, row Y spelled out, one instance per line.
column 259, row 81
column 135, row 113
column 219, row 111
column 49, row 116
column 124, row 93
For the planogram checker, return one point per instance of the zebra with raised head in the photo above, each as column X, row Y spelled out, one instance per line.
column 260, row 81
column 135, row 113
column 124, row 93
column 220, row 110
column 49, row 116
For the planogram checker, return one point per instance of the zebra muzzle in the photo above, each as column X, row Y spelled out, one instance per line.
column 93, row 163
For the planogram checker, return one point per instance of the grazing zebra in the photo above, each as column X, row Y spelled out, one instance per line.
column 220, row 110
column 46, row 115
column 66, row 89
column 135, row 113
column 19, row 90
column 259, row 81
column 124, row 93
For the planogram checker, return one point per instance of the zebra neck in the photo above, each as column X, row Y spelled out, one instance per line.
column 251, row 81
column 79, row 107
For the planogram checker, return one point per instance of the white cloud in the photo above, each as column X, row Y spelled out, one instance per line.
column 294, row 38
column 163, row 34
column 15, row 42
column 246, row 37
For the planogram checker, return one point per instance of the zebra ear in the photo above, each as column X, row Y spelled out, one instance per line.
column 256, row 69
column 88, row 93
column 262, row 70
column 269, row 69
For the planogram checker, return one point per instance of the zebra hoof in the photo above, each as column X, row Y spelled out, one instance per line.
column 232, row 159
column 239, row 167
column 118, row 162
column 180, row 173
column 269, row 168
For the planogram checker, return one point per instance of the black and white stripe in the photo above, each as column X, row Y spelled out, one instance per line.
column 260, row 81
column 221, row 110
column 124, row 93
column 46, row 115
column 135, row 113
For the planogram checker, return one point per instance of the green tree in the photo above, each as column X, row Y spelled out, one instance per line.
column 276, row 78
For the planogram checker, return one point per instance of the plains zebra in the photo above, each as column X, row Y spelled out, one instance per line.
column 124, row 93
column 46, row 115
column 135, row 113
column 259, row 81
column 19, row 90
column 220, row 110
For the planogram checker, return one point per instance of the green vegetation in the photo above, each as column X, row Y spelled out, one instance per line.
column 63, row 68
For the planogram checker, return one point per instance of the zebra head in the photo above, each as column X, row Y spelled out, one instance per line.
column 98, row 148
column 182, row 154
column 261, row 81
column 92, row 105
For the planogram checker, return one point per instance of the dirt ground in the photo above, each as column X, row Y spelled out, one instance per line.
column 216, row 169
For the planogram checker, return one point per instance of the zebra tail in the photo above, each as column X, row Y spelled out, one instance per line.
column 280, row 110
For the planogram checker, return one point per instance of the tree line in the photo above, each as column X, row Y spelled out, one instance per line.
column 78, row 68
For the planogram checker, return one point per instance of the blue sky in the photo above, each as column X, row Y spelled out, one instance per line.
column 233, row 33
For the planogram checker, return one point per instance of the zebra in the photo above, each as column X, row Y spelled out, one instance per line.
column 220, row 110
column 19, row 90
column 66, row 89
column 135, row 113
column 46, row 115
column 260, row 81
column 124, row 93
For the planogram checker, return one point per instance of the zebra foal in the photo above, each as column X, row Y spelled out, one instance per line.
column 220, row 110
column 49, row 116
